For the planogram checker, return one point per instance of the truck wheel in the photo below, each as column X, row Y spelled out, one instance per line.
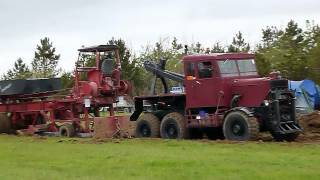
column 67, row 130
column 285, row 137
column 238, row 126
column 5, row 123
column 173, row 126
column 148, row 125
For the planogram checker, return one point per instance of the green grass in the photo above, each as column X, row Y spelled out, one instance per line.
column 55, row 158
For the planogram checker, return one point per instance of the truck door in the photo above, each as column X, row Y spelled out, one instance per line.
column 201, row 84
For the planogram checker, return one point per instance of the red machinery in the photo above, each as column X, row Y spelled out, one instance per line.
column 94, row 87
column 224, row 97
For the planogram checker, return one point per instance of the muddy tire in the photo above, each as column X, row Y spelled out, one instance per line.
column 173, row 126
column 148, row 126
column 238, row 126
column 67, row 130
column 5, row 123
column 285, row 137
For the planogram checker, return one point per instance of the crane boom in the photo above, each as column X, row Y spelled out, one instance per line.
column 159, row 70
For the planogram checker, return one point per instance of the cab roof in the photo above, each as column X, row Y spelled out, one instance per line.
column 99, row 48
column 218, row 56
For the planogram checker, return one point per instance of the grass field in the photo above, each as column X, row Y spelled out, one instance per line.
column 56, row 158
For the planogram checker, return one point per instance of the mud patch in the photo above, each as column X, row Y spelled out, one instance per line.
column 113, row 127
column 311, row 127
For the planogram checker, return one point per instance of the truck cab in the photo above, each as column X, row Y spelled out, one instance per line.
column 208, row 76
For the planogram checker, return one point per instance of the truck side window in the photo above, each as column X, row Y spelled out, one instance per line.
column 190, row 69
column 205, row 69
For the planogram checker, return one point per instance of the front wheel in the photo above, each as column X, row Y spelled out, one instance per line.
column 238, row 126
column 173, row 126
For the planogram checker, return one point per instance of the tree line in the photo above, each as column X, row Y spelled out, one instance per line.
column 292, row 50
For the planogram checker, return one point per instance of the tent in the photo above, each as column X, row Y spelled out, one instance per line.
column 307, row 94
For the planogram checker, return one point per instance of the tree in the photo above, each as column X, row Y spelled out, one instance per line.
column 165, row 49
column 238, row 44
column 288, row 50
column 266, row 49
column 175, row 44
column 270, row 35
column 130, row 66
column 19, row 71
column 312, row 38
column 44, row 64
column 217, row 48
column 67, row 80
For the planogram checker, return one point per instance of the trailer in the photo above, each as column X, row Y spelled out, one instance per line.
column 37, row 106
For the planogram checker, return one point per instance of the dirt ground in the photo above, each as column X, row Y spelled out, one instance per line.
column 311, row 127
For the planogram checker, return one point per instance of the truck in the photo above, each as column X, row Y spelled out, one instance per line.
column 224, row 97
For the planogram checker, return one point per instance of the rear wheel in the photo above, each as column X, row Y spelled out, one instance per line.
column 173, row 126
column 148, row 125
column 67, row 130
column 238, row 126
column 5, row 123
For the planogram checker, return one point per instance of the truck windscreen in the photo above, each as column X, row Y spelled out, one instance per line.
column 241, row 67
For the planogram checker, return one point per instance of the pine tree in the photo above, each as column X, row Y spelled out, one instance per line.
column 44, row 64
column 19, row 71
column 238, row 44
column 130, row 67
column 217, row 48
column 284, row 50
column 270, row 35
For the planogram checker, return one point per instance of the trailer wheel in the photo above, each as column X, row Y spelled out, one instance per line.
column 5, row 123
column 238, row 126
column 173, row 126
column 285, row 137
column 67, row 130
column 148, row 125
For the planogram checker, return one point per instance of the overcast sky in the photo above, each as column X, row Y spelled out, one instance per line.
column 72, row 23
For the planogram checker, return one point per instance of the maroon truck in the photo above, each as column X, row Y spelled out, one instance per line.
column 224, row 98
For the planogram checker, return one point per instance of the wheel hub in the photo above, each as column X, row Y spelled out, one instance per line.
column 145, row 130
column 238, row 129
column 172, row 131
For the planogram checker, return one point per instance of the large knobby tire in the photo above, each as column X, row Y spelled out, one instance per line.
column 238, row 126
column 148, row 126
column 5, row 123
column 67, row 130
column 173, row 126
column 285, row 137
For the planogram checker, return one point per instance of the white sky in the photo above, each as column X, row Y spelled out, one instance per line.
column 72, row 23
